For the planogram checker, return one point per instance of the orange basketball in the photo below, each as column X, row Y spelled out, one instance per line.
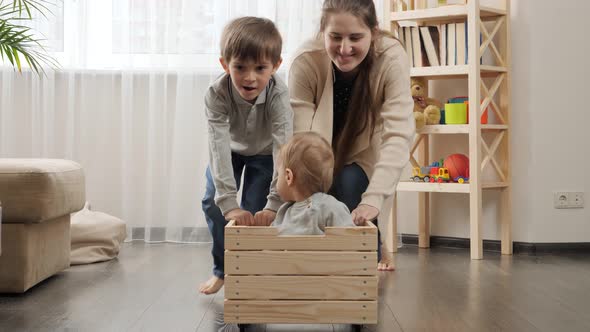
column 458, row 165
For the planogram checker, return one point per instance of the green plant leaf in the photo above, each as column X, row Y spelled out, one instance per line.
column 17, row 41
column 17, row 60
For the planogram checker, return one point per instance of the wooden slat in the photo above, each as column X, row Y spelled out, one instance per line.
column 300, row 262
column 386, row 23
column 232, row 228
column 505, row 206
column 424, row 198
column 300, row 288
column 267, row 238
column 495, row 185
column 457, row 129
column 457, row 71
column 493, row 127
column 300, row 312
column 272, row 231
column 443, row 129
column 474, row 83
column 317, row 243
column 390, row 243
column 439, row 71
column 451, row 12
column 433, row 187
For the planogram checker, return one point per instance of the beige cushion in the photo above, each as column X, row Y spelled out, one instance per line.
column 96, row 236
column 35, row 190
column 33, row 252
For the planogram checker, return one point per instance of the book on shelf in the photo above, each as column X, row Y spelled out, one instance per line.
column 461, row 46
column 430, row 40
column 416, row 47
column 451, row 44
column 436, row 45
column 443, row 44
column 409, row 48
column 401, row 36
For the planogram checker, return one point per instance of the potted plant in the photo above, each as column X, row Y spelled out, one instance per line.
column 18, row 44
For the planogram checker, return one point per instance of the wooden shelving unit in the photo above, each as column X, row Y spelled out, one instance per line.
column 482, row 154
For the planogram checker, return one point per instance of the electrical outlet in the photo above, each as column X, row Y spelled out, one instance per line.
column 576, row 200
column 560, row 200
column 568, row 200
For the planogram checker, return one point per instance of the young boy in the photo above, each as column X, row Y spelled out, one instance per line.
column 305, row 171
column 249, row 118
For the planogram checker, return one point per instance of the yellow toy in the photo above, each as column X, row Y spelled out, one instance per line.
column 426, row 110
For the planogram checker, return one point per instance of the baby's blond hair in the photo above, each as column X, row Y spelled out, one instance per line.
column 310, row 158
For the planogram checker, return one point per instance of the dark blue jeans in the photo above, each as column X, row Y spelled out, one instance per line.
column 348, row 187
column 257, row 177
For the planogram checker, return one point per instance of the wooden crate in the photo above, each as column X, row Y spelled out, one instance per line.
column 316, row 279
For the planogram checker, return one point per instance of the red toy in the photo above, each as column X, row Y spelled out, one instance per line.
column 458, row 165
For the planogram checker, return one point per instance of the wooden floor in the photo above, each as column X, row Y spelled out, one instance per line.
column 153, row 288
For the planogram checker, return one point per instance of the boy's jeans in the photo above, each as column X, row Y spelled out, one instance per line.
column 257, row 177
column 348, row 187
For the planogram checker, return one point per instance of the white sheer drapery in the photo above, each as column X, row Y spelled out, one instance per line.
column 128, row 101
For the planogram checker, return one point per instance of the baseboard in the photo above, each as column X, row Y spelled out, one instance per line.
column 163, row 234
column 201, row 234
column 525, row 248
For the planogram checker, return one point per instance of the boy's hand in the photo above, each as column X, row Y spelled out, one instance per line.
column 364, row 212
column 242, row 217
column 264, row 217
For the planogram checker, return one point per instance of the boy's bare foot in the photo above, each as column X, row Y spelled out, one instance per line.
column 211, row 286
column 385, row 265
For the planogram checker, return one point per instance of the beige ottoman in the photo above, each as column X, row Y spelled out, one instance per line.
column 37, row 198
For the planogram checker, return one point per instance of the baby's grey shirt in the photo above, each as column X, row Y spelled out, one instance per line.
column 312, row 215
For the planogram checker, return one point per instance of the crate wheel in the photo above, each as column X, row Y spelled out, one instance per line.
column 243, row 327
column 357, row 327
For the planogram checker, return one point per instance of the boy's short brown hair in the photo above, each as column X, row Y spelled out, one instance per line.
column 254, row 38
column 310, row 158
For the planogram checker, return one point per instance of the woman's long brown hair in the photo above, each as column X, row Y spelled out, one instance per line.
column 362, row 111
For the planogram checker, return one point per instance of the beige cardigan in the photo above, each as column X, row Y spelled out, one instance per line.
column 385, row 154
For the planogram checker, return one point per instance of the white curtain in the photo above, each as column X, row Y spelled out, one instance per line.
column 128, row 101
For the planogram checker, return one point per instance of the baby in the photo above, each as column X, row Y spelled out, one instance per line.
column 305, row 169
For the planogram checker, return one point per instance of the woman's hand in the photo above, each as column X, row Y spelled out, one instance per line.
column 264, row 217
column 364, row 213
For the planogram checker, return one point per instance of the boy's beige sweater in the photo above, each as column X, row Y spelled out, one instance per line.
column 385, row 154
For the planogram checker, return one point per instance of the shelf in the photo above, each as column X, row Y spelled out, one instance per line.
column 452, row 12
column 456, row 129
column 445, row 187
column 433, row 187
column 494, row 185
column 494, row 127
column 460, row 71
column 443, row 129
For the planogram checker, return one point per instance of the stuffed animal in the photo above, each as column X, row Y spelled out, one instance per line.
column 426, row 110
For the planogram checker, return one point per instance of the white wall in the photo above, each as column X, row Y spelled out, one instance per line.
column 550, row 131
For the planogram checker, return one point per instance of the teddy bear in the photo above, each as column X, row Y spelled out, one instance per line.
column 426, row 110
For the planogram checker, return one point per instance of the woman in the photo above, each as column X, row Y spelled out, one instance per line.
column 352, row 85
